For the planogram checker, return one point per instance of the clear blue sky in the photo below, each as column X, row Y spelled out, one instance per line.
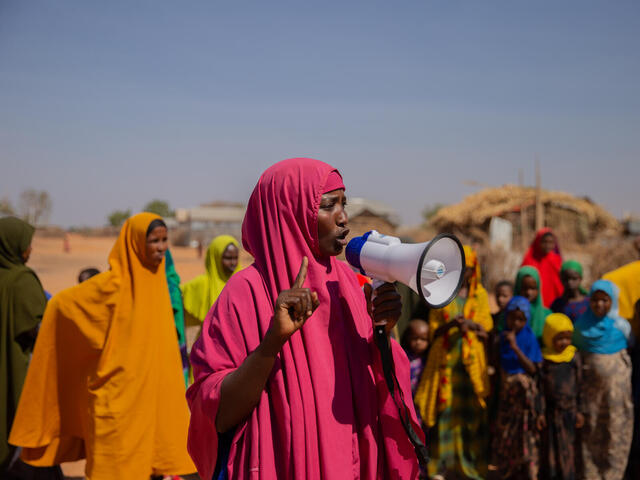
column 110, row 104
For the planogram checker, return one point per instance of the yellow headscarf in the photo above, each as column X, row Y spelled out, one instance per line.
column 201, row 292
column 553, row 325
column 434, row 390
column 105, row 381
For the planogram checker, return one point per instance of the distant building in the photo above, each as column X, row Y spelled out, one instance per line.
column 365, row 215
column 203, row 223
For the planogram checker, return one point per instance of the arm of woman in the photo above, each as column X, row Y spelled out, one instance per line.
column 241, row 389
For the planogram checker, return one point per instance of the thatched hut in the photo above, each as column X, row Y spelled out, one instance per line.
column 577, row 220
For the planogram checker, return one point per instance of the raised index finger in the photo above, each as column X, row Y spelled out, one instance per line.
column 302, row 274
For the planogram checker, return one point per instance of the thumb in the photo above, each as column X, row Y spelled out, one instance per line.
column 368, row 290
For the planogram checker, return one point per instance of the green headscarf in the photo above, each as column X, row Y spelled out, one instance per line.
column 173, row 280
column 576, row 267
column 22, row 304
column 538, row 310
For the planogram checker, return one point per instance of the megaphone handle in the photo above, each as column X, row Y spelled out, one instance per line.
column 382, row 341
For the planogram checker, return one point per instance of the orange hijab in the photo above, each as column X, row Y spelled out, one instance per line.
column 105, row 381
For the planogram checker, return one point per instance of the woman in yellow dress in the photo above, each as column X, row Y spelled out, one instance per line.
column 105, row 382
column 454, row 383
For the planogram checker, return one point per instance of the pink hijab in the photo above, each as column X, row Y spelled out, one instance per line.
column 326, row 410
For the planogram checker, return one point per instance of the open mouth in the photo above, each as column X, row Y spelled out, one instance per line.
column 342, row 237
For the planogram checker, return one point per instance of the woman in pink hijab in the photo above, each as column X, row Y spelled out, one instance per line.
column 288, row 381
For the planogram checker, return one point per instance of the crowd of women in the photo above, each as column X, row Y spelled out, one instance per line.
column 285, row 380
column 531, row 391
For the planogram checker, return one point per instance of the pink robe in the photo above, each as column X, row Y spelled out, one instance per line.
column 326, row 411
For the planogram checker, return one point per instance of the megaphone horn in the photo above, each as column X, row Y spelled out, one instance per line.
column 434, row 269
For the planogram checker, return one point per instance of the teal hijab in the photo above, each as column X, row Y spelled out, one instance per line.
column 173, row 280
column 576, row 267
column 604, row 335
column 538, row 310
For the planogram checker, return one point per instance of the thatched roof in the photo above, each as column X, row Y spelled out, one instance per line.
column 478, row 208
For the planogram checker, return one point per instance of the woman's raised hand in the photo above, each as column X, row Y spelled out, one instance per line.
column 294, row 306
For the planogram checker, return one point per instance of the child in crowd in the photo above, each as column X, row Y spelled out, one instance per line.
column 516, row 442
column 606, row 384
column 574, row 300
column 415, row 341
column 455, row 383
column 561, row 377
column 529, row 286
column 503, row 293
column 87, row 273
column 544, row 256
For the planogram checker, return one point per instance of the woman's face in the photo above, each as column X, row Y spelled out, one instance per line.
column 332, row 223
column 547, row 243
column 516, row 320
column 230, row 259
column 156, row 246
column 529, row 288
column 561, row 341
column 600, row 303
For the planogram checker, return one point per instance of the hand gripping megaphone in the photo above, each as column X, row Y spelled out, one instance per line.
column 434, row 269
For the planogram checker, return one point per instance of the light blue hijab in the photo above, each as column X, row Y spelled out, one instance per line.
column 606, row 334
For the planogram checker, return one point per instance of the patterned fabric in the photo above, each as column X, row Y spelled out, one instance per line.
column 608, row 409
column 435, row 390
column 516, row 443
column 571, row 309
column 457, row 444
column 434, row 393
column 560, row 388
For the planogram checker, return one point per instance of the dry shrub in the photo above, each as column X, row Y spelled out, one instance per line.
column 610, row 255
column 497, row 264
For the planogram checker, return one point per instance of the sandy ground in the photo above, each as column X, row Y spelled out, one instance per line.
column 58, row 270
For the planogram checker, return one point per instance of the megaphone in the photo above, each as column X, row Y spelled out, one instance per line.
column 434, row 269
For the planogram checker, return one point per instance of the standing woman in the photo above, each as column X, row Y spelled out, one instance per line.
column 22, row 304
column 606, row 385
column 454, row 384
column 221, row 262
column 288, row 381
column 106, row 380
column 544, row 255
